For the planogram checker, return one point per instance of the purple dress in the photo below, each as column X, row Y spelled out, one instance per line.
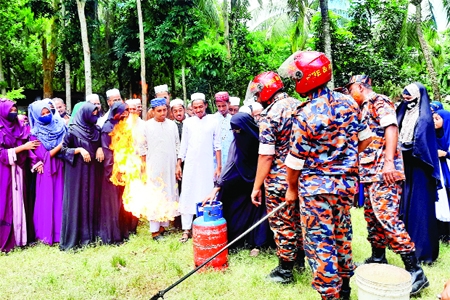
column 49, row 197
column 13, row 231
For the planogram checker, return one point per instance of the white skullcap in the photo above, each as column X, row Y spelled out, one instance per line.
column 92, row 97
column 256, row 106
column 176, row 102
column 161, row 88
column 245, row 109
column 137, row 101
column 198, row 96
column 131, row 102
column 112, row 92
column 235, row 101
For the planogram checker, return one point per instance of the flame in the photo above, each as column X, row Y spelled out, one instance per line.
column 142, row 197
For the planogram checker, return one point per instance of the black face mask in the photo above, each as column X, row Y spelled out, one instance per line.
column 63, row 115
column 12, row 116
column 53, row 111
column 411, row 104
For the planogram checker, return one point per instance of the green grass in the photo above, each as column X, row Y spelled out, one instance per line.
column 141, row 267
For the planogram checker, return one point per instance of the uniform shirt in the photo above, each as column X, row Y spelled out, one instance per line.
column 274, row 132
column 324, row 144
column 379, row 111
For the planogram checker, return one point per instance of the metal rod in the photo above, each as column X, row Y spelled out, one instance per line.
column 161, row 293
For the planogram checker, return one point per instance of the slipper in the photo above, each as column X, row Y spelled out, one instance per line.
column 158, row 238
column 186, row 236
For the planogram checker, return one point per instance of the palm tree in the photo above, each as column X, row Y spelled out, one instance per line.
column 86, row 51
column 426, row 49
column 142, row 48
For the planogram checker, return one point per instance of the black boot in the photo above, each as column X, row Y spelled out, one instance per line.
column 300, row 261
column 378, row 256
column 344, row 294
column 418, row 278
column 283, row 272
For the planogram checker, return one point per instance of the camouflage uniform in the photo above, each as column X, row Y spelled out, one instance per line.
column 381, row 200
column 324, row 146
column 275, row 130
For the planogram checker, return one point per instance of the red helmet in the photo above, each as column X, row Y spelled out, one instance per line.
column 266, row 84
column 310, row 69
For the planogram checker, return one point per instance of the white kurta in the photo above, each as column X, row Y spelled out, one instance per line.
column 163, row 143
column 226, row 136
column 200, row 138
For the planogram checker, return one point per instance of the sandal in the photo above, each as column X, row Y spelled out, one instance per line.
column 186, row 236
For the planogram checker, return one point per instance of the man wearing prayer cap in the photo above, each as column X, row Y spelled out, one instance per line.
column 381, row 172
column 137, row 125
column 163, row 145
column 224, row 118
column 92, row 98
column 201, row 136
column 234, row 105
column 179, row 113
column 162, row 91
column 112, row 96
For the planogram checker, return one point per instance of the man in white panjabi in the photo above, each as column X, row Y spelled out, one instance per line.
column 163, row 144
column 224, row 117
column 201, row 136
column 137, row 126
column 112, row 96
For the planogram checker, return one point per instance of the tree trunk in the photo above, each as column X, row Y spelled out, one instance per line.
column 183, row 81
column 2, row 77
column 327, row 35
column 426, row 52
column 226, row 25
column 48, row 65
column 68, row 89
column 142, row 47
column 86, row 50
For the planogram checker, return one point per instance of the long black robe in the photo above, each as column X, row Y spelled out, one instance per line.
column 81, row 183
column 417, row 206
column 236, row 184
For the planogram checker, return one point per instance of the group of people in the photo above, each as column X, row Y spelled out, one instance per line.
column 311, row 156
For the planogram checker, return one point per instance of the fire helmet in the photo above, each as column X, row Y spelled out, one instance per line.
column 266, row 84
column 309, row 69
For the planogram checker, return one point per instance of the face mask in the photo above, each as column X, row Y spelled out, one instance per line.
column 63, row 115
column 12, row 116
column 53, row 111
column 45, row 119
column 93, row 119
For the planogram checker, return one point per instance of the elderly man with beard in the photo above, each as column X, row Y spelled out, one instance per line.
column 112, row 96
column 201, row 136
column 163, row 143
column 61, row 108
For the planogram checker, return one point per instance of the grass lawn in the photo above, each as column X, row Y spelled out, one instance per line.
column 141, row 267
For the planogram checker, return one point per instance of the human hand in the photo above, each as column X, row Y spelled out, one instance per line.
column 256, row 197
column 40, row 169
column 99, row 155
column 217, row 173
column 442, row 153
column 388, row 172
column 31, row 145
column 178, row 173
column 291, row 196
column 210, row 197
column 86, row 156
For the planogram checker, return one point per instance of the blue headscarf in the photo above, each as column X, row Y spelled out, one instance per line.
column 443, row 133
column 116, row 108
column 435, row 106
column 84, row 123
column 425, row 145
column 51, row 134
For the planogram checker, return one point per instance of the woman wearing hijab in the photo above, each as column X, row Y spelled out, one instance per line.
column 235, row 186
column 111, row 196
column 14, row 151
column 435, row 106
column 49, row 129
column 82, row 184
column 418, row 141
column 442, row 124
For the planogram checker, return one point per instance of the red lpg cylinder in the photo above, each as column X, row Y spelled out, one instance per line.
column 209, row 235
